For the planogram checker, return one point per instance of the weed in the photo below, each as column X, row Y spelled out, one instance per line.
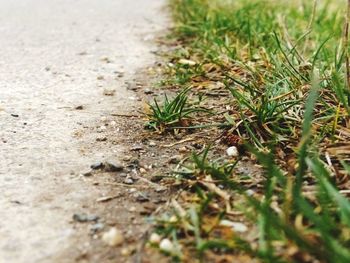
column 173, row 112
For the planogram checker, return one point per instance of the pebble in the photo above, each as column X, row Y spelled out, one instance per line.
column 166, row 245
column 132, row 190
column 132, row 209
column 143, row 170
column 128, row 180
column 97, row 227
column 250, row 192
column 183, row 149
column 155, row 238
column 161, row 189
column 127, row 158
column 79, row 107
column 148, row 91
column 113, row 237
column 87, row 173
column 152, row 144
column 101, row 139
column 111, row 166
column 142, row 197
column 109, row 92
column 175, row 159
column 82, row 218
column 136, row 148
column 97, row 166
column 232, row 151
column 125, row 252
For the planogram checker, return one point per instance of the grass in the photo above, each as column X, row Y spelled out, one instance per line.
column 276, row 74
column 171, row 113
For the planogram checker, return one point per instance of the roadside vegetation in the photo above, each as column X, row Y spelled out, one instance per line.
column 267, row 83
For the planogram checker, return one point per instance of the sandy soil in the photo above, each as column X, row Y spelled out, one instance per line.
column 58, row 61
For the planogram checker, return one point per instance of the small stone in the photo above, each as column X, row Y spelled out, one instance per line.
column 111, row 166
column 183, row 149
column 232, row 151
column 106, row 60
column 113, row 237
column 127, row 158
column 86, row 173
column 161, row 189
column 113, row 123
column 152, row 143
column 166, row 245
column 100, row 78
column 143, row 170
column 148, row 91
column 250, row 192
column 82, row 218
column 121, row 175
column 97, row 227
column 155, row 238
column 132, row 190
column 101, row 139
column 79, row 107
column 175, row 159
column 128, row 180
column 132, row 209
column 142, row 197
column 97, row 166
column 109, row 92
column 125, row 252
column 136, row 148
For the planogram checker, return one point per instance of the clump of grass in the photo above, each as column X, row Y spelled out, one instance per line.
column 285, row 223
column 175, row 112
column 286, row 66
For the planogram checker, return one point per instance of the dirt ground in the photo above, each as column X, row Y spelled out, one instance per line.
column 67, row 71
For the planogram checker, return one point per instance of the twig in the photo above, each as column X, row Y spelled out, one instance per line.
column 179, row 142
column 126, row 115
column 108, row 198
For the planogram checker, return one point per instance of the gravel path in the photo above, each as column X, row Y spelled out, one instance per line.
column 55, row 56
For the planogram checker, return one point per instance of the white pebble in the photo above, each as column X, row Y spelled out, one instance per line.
column 155, row 238
column 166, row 245
column 250, row 192
column 232, row 151
column 113, row 237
